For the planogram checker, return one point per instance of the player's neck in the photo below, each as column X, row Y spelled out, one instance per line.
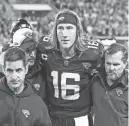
column 67, row 54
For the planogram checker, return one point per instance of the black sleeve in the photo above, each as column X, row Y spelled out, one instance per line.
column 44, row 118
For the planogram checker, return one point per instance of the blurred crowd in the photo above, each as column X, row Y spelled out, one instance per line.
column 99, row 18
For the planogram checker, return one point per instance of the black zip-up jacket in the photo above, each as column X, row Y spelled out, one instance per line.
column 110, row 104
column 24, row 109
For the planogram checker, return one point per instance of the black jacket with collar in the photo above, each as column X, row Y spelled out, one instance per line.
column 110, row 104
column 24, row 109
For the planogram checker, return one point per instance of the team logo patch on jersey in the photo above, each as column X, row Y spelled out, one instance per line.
column 44, row 56
column 37, row 86
column 119, row 92
column 86, row 65
column 66, row 62
column 26, row 113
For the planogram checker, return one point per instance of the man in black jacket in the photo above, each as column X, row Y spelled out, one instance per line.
column 110, row 89
column 19, row 105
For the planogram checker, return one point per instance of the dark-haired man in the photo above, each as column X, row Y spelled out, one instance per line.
column 110, row 89
column 19, row 105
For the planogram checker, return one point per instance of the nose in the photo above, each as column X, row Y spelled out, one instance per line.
column 111, row 67
column 64, row 33
column 32, row 53
column 14, row 75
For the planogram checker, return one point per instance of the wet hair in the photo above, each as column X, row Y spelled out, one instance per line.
column 80, row 44
column 14, row 54
column 116, row 47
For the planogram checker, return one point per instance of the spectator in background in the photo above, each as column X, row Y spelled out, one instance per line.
column 24, row 37
column 110, row 89
column 19, row 105
column 103, row 16
column 26, row 16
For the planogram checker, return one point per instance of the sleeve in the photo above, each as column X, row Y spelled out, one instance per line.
column 6, row 116
column 2, row 61
column 44, row 118
column 43, row 47
column 96, row 50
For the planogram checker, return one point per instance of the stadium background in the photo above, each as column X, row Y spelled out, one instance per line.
column 103, row 19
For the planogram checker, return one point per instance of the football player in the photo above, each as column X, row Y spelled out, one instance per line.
column 69, row 62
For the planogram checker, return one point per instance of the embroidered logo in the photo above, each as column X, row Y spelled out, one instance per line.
column 23, row 26
column 26, row 113
column 66, row 62
column 61, row 18
column 37, row 86
column 119, row 92
column 86, row 65
column 93, row 71
column 44, row 56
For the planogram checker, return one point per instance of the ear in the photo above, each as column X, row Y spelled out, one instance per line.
column 126, row 65
column 2, row 68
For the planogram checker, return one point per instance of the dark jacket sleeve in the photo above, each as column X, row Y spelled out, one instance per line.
column 6, row 118
column 43, row 119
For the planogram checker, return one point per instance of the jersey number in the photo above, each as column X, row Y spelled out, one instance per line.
column 64, row 86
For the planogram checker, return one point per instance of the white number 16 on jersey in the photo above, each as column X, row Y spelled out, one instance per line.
column 64, row 86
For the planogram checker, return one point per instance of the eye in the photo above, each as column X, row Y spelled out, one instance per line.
column 108, row 63
column 60, row 28
column 27, row 50
column 116, row 64
column 30, row 49
column 19, row 70
column 69, row 27
column 9, row 70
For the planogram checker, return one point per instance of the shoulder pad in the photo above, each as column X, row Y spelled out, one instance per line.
column 45, row 43
column 88, row 55
column 91, row 55
column 93, row 44
column 96, row 47
column 94, row 50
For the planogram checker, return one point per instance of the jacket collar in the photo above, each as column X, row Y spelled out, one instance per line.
column 123, row 80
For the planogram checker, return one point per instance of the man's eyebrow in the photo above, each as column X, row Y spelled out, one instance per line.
column 9, row 69
column 116, row 63
column 18, row 68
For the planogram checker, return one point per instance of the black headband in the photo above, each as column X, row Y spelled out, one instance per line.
column 67, row 18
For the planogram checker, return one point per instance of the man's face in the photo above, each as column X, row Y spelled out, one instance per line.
column 31, row 58
column 31, row 54
column 66, row 34
column 15, row 73
column 114, row 65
